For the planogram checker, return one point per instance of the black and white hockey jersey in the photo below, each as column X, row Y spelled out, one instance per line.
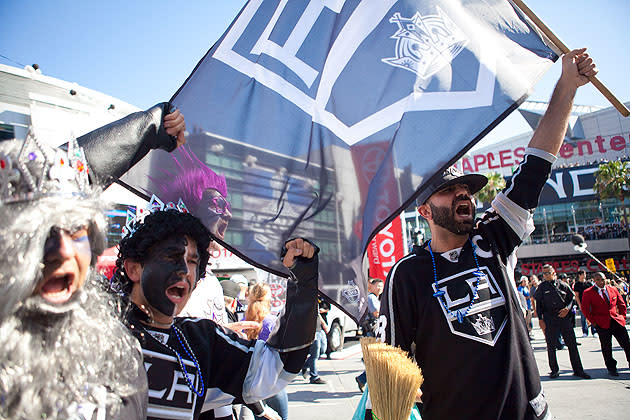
column 482, row 367
column 234, row 370
column 230, row 370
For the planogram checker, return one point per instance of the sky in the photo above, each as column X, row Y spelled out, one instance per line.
column 141, row 51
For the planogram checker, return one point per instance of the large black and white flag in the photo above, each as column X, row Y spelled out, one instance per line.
column 323, row 119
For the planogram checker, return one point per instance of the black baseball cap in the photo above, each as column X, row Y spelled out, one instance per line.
column 452, row 176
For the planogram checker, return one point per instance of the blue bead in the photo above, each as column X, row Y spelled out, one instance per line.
column 439, row 293
column 460, row 317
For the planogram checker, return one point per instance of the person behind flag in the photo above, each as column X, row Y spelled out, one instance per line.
column 452, row 303
column 194, row 362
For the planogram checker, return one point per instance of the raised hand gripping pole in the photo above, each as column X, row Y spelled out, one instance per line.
column 619, row 106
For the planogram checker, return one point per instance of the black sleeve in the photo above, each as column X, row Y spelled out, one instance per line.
column 113, row 149
column 296, row 324
column 257, row 408
column 513, row 205
column 540, row 306
column 569, row 297
column 526, row 184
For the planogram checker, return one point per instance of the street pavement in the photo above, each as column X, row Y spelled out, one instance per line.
column 603, row 397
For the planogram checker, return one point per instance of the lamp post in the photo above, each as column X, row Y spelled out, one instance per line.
column 546, row 228
column 574, row 222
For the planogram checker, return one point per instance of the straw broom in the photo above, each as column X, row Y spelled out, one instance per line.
column 393, row 379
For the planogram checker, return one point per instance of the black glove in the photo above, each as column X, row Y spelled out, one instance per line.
column 295, row 328
column 114, row 148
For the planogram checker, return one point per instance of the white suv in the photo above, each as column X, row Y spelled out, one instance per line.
column 340, row 326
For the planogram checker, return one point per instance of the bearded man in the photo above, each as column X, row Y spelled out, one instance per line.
column 64, row 354
column 452, row 303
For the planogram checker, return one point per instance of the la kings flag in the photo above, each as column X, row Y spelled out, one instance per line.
column 327, row 117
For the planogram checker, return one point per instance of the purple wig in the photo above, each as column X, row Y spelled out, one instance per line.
column 189, row 180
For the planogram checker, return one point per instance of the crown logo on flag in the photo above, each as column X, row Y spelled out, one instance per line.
column 425, row 44
column 38, row 170
column 135, row 218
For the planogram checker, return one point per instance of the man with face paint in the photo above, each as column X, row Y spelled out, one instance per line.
column 64, row 354
column 194, row 364
column 453, row 304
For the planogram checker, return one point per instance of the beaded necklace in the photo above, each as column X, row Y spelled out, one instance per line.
column 190, row 354
column 439, row 294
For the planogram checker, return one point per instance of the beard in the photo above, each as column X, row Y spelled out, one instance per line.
column 445, row 218
column 54, row 362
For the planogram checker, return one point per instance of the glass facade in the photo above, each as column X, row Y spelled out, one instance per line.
column 594, row 219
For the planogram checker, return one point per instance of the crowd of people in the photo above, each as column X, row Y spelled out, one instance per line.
column 590, row 232
column 163, row 338
column 599, row 302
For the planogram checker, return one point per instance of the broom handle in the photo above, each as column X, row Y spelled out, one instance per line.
column 594, row 80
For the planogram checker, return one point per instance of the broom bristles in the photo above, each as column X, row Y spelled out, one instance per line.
column 393, row 379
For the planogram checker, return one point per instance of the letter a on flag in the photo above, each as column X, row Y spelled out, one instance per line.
column 323, row 120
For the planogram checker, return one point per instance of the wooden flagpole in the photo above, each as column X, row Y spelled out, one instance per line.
column 623, row 110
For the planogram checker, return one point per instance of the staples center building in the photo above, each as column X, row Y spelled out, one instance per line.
column 568, row 203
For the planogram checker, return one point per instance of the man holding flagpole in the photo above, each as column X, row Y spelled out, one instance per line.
column 452, row 303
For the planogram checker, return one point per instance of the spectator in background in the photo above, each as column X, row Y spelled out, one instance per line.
column 259, row 311
column 554, row 301
column 565, row 279
column 526, row 303
column 241, row 305
column 317, row 347
column 620, row 288
column 578, row 288
column 231, row 290
column 375, row 287
column 325, row 306
column 533, row 285
column 605, row 308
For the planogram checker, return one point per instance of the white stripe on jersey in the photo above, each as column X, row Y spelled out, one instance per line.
column 520, row 220
column 390, row 302
column 171, row 413
column 549, row 157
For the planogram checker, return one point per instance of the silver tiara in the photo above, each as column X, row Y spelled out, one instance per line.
column 38, row 170
column 136, row 217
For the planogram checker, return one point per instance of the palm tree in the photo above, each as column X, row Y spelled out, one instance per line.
column 612, row 180
column 496, row 183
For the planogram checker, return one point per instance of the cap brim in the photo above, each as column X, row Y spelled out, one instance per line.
column 475, row 183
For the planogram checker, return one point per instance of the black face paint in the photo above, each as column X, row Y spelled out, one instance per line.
column 445, row 217
column 164, row 267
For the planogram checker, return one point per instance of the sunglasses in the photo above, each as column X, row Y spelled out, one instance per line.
column 219, row 205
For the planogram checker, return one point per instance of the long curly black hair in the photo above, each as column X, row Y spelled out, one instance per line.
column 155, row 228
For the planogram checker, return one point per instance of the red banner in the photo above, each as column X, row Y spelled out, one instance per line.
column 386, row 248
